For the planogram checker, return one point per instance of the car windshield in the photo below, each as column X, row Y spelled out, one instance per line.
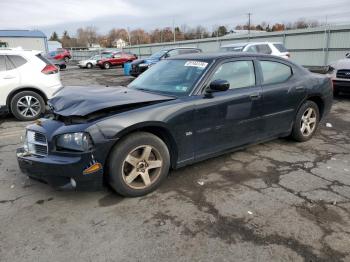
column 171, row 77
column 232, row 48
column 158, row 55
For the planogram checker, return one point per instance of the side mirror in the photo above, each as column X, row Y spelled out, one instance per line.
column 218, row 85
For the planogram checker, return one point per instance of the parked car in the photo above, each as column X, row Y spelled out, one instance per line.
column 59, row 63
column 339, row 72
column 27, row 81
column 141, row 65
column 91, row 62
column 182, row 110
column 115, row 59
column 268, row 48
column 61, row 54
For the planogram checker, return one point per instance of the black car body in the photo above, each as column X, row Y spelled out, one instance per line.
column 194, row 124
column 141, row 65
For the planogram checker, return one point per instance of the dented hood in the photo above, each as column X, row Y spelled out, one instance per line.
column 82, row 101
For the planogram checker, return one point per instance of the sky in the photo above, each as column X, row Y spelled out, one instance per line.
column 58, row 16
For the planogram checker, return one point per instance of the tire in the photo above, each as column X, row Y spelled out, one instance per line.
column 133, row 147
column 88, row 65
column 306, row 122
column 106, row 65
column 66, row 59
column 19, row 105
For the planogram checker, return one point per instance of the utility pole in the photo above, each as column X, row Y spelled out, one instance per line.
column 249, row 22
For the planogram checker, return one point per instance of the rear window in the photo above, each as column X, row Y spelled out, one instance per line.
column 274, row 72
column 280, row 48
column 44, row 59
column 17, row 60
column 232, row 48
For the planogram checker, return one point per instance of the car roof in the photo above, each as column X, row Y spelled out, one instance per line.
column 18, row 51
column 250, row 43
column 181, row 47
column 215, row 56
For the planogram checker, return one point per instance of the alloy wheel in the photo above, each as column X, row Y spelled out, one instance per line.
column 142, row 167
column 308, row 122
column 28, row 106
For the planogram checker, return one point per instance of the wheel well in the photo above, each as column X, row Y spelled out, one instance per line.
column 164, row 135
column 319, row 102
column 13, row 93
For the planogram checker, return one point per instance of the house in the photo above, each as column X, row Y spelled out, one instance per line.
column 120, row 43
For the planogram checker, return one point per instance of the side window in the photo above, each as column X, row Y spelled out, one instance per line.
column 2, row 63
column 188, row 51
column 172, row 53
column 9, row 64
column 252, row 49
column 264, row 49
column 17, row 60
column 237, row 73
column 274, row 72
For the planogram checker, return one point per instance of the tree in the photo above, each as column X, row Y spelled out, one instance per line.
column 139, row 36
column 87, row 36
column 54, row 37
column 278, row 27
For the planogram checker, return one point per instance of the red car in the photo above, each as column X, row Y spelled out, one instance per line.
column 116, row 59
column 61, row 54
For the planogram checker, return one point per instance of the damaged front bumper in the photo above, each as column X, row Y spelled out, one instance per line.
column 61, row 172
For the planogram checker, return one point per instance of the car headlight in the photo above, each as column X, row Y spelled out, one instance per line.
column 79, row 142
column 143, row 65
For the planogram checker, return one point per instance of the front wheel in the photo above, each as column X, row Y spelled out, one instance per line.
column 66, row 59
column 27, row 105
column 138, row 164
column 106, row 65
column 306, row 122
column 88, row 65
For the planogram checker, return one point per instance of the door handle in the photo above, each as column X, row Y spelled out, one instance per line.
column 255, row 96
column 9, row 77
column 300, row 88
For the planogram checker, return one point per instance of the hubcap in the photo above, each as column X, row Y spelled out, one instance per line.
column 28, row 106
column 142, row 167
column 308, row 122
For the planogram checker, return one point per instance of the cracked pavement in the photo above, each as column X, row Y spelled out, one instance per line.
column 276, row 201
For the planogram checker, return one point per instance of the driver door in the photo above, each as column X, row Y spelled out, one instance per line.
column 230, row 118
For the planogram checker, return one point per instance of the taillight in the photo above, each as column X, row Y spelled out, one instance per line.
column 49, row 69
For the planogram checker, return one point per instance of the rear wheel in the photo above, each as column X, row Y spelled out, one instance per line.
column 66, row 59
column 138, row 164
column 27, row 105
column 88, row 65
column 306, row 121
column 106, row 65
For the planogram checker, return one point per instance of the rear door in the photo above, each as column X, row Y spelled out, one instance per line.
column 9, row 78
column 231, row 118
column 282, row 93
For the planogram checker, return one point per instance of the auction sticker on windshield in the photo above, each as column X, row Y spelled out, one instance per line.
column 196, row 64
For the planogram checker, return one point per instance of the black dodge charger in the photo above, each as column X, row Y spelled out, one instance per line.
column 180, row 111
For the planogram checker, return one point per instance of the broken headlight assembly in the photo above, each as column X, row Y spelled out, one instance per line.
column 77, row 142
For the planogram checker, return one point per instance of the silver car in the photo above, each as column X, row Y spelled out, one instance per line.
column 89, row 63
column 339, row 71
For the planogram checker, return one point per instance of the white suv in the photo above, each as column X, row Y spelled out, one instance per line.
column 269, row 48
column 27, row 81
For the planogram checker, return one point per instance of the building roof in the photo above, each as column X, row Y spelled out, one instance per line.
column 22, row 33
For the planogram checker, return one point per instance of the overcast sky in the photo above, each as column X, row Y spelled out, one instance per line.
column 50, row 16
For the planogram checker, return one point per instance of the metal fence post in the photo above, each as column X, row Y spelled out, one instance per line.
column 326, row 55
